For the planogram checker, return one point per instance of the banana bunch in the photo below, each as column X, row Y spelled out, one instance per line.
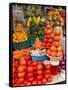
column 34, row 19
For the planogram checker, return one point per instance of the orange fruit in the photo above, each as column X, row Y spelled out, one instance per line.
column 59, row 48
column 56, row 43
column 56, row 38
column 59, row 54
column 57, row 32
column 48, row 52
column 53, row 54
column 53, row 48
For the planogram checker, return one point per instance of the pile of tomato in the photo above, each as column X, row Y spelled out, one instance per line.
column 48, row 39
column 26, row 72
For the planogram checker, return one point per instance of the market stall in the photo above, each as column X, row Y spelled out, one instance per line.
column 38, row 46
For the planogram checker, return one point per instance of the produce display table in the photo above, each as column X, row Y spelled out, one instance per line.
column 59, row 80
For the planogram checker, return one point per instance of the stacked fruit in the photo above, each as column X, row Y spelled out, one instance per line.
column 14, row 72
column 48, row 39
column 48, row 72
column 19, row 27
column 56, row 50
column 20, row 34
column 27, row 72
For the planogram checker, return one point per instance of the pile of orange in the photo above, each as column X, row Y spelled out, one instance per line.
column 20, row 35
column 17, row 54
column 56, row 50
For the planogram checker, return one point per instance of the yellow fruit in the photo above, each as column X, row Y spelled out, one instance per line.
column 29, row 19
column 19, row 36
column 28, row 22
column 34, row 19
column 38, row 20
column 19, row 27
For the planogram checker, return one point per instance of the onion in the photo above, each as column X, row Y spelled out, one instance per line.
column 63, row 67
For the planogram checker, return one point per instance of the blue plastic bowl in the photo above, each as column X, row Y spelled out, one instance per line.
column 39, row 58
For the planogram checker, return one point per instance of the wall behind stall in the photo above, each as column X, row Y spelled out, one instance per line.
column 4, row 44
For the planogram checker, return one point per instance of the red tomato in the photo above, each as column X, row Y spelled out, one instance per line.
column 35, row 73
column 39, row 82
column 44, row 80
column 30, row 75
column 48, row 45
column 21, row 80
column 15, row 63
column 34, row 68
column 39, row 66
column 47, row 76
column 29, row 63
column 21, row 68
column 22, row 84
column 22, row 62
column 21, row 75
column 28, row 83
column 14, row 75
column 49, row 40
column 30, row 79
column 48, row 26
column 48, row 36
column 48, row 32
column 25, row 82
column 14, row 81
column 18, row 84
column 34, row 82
column 34, row 63
column 57, row 32
column 45, row 40
column 27, row 57
column 15, row 85
column 47, row 71
column 39, row 72
column 49, row 79
column 13, row 70
column 48, row 66
column 29, row 69
column 39, row 77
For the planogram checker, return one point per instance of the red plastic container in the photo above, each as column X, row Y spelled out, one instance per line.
column 55, row 67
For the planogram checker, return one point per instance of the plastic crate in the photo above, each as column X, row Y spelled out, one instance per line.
column 32, row 40
column 21, row 45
